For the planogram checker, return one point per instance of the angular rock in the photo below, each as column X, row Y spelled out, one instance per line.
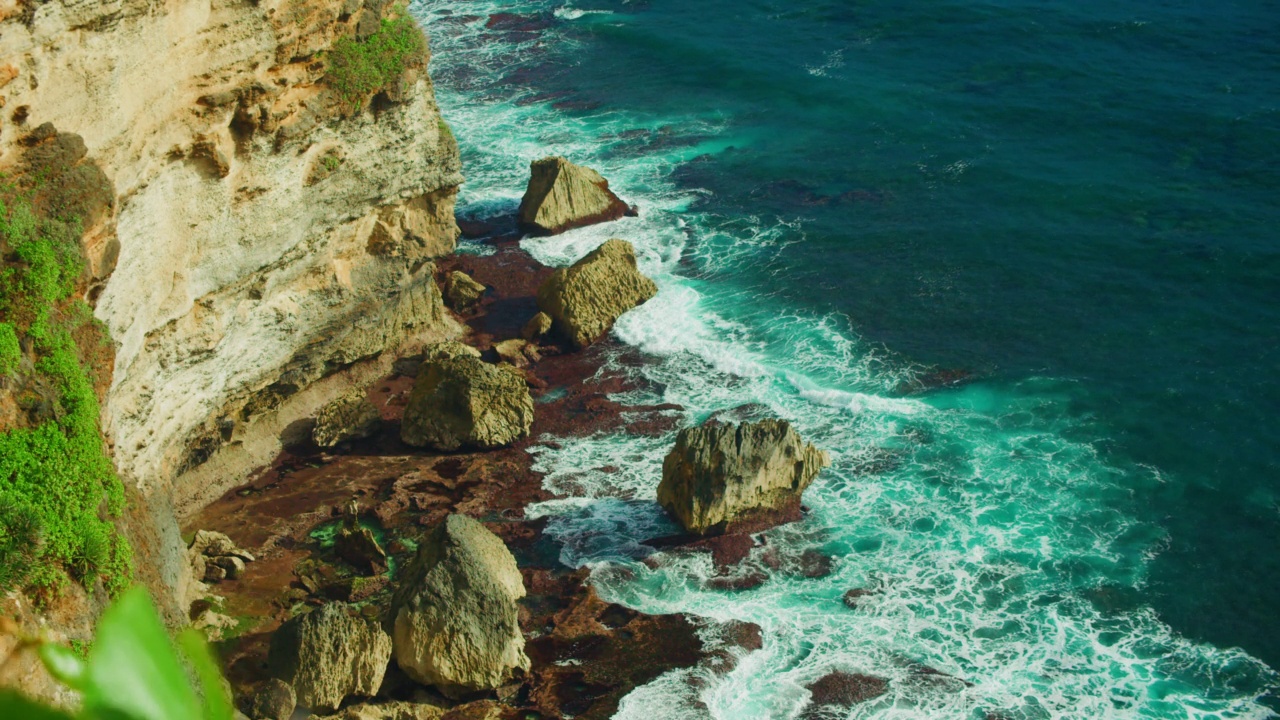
column 725, row 478
column 455, row 613
column 330, row 654
column 461, row 401
column 562, row 196
column 585, row 299
column 350, row 417
column 513, row 352
column 275, row 700
column 460, row 291
column 537, row 326
column 357, row 545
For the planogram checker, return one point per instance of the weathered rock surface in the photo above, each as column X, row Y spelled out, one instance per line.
column 459, row 401
column 215, row 557
column 356, row 544
column 562, row 196
column 455, row 612
column 350, row 417
column 330, row 654
column 537, row 326
column 724, row 477
column 275, row 700
column 841, row 690
column 585, row 299
column 461, row 291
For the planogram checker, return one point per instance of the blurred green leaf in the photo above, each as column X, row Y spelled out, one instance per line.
column 217, row 704
column 133, row 668
column 63, row 664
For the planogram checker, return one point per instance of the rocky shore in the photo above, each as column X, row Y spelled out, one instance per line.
column 583, row 654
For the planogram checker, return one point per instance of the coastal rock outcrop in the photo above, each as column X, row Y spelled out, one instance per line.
column 458, row 400
column 725, row 477
column 350, row 417
column 586, row 298
column 330, row 654
column 562, row 196
column 455, row 612
column 461, row 291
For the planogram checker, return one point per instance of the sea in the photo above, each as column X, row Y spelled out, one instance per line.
column 1014, row 263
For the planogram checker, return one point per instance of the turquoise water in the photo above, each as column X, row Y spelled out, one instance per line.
column 1074, row 201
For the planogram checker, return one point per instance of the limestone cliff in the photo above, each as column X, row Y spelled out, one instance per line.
column 262, row 243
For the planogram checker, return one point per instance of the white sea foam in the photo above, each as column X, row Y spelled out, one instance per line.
column 1002, row 549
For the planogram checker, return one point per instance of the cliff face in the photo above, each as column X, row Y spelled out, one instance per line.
column 260, row 244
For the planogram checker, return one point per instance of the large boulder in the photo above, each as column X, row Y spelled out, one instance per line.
column 724, row 477
column 586, row 298
column 455, row 611
column 562, row 196
column 330, row 654
column 350, row 417
column 461, row 401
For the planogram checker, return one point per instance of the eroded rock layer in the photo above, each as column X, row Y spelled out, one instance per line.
column 259, row 242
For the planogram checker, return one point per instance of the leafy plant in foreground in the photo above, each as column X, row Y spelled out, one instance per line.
column 133, row 671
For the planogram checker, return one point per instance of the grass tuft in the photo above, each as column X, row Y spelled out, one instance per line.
column 359, row 68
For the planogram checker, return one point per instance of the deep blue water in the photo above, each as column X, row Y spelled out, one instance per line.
column 1074, row 201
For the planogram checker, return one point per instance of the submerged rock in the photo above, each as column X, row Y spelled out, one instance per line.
column 562, row 196
column 455, row 612
column 723, row 477
column 585, row 299
column 461, row 291
column 330, row 654
column 350, row 417
column 458, row 401
column 841, row 690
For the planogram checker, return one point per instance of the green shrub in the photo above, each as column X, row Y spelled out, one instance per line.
column 359, row 68
column 55, row 479
column 10, row 351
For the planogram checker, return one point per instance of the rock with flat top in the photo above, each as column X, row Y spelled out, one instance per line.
column 456, row 613
column 586, row 298
column 329, row 655
column 725, row 477
column 562, row 196
column 458, row 401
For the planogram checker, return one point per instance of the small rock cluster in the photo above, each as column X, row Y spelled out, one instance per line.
column 452, row 624
column 214, row 557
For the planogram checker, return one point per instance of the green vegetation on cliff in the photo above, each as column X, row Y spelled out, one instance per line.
column 359, row 68
column 59, row 492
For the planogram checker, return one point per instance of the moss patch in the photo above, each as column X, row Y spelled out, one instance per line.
column 359, row 68
column 57, row 485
